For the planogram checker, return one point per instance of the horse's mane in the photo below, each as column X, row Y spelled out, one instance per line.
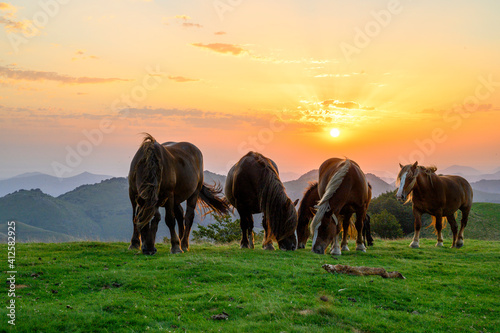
column 274, row 202
column 148, row 190
column 332, row 186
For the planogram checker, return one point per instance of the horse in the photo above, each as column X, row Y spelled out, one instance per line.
column 306, row 213
column 165, row 175
column 253, row 186
column 437, row 195
column 344, row 191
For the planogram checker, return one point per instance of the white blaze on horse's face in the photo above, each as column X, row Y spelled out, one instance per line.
column 400, row 193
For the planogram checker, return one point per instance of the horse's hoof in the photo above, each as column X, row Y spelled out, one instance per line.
column 414, row 245
column 245, row 246
column 345, row 248
column 134, row 247
column 361, row 247
column 268, row 247
column 176, row 250
column 459, row 244
column 301, row 246
column 336, row 251
column 439, row 244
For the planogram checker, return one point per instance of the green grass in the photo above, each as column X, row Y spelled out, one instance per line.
column 103, row 287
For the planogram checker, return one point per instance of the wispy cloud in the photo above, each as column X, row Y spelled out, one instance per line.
column 222, row 48
column 182, row 79
column 182, row 20
column 12, row 24
column 82, row 55
column 219, row 33
column 31, row 75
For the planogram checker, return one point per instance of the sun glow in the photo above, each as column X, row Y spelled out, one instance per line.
column 334, row 132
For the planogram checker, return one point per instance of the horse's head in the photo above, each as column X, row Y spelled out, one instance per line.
column 323, row 235
column 289, row 242
column 148, row 232
column 407, row 178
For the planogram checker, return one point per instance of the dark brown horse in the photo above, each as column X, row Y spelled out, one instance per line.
column 306, row 213
column 440, row 196
column 344, row 191
column 253, row 186
column 165, row 176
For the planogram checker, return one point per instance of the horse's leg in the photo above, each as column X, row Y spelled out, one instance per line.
column 245, row 220
column 439, row 228
column 135, row 242
column 454, row 228
column 188, row 220
column 170, row 222
column 268, row 240
column 360, row 217
column 418, row 225
column 335, row 250
column 346, row 222
column 179, row 216
column 463, row 224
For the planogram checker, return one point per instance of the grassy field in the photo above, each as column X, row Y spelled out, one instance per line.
column 103, row 287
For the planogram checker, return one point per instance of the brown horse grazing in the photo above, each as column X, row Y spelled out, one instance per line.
column 439, row 196
column 306, row 213
column 344, row 191
column 253, row 186
column 165, row 176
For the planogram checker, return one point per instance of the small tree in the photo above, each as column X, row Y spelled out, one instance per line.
column 385, row 225
column 224, row 230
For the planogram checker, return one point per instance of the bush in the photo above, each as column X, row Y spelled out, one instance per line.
column 224, row 230
column 385, row 225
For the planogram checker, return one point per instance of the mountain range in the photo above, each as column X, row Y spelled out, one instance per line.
column 102, row 211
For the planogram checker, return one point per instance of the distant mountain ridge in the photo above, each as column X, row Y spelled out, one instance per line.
column 48, row 184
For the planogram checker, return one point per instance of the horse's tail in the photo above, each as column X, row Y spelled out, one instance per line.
column 149, row 189
column 209, row 199
column 433, row 223
column 323, row 206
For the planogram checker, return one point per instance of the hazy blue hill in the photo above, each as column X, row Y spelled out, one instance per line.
column 491, row 186
column 48, row 184
column 107, row 204
column 41, row 210
column 28, row 233
column 378, row 185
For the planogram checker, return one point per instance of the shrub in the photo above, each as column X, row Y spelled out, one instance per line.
column 385, row 225
column 224, row 230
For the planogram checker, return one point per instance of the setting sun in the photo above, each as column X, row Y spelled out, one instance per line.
column 335, row 132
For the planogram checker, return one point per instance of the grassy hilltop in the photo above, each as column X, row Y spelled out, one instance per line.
column 103, row 287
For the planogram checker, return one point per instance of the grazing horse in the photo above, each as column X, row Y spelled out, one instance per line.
column 253, row 186
column 344, row 191
column 439, row 196
column 306, row 213
column 165, row 176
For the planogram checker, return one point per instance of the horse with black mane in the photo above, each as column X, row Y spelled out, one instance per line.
column 306, row 214
column 165, row 176
column 344, row 191
column 437, row 195
column 253, row 186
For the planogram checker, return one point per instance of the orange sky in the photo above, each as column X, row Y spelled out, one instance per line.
column 401, row 80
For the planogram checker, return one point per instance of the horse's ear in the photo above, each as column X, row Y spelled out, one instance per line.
column 414, row 166
column 400, row 165
column 296, row 202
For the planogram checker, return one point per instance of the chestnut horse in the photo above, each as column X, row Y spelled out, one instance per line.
column 306, row 213
column 344, row 191
column 165, row 176
column 253, row 186
column 440, row 196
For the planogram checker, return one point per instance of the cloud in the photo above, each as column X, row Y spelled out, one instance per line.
column 219, row 33
column 344, row 105
column 11, row 24
column 183, row 21
column 30, row 75
column 81, row 55
column 222, row 48
column 181, row 79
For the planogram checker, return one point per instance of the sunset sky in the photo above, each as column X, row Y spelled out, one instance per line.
column 401, row 81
